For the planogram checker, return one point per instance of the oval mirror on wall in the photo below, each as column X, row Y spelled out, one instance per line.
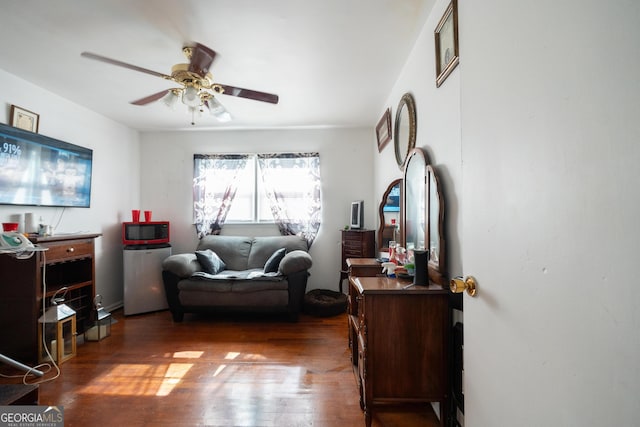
column 405, row 128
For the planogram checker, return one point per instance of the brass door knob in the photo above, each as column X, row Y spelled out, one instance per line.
column 458, row 285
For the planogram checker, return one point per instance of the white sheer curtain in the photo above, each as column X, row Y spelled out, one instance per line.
column 293, row 188
column 214, row 187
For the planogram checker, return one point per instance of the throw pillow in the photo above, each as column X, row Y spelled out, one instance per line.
column 210, row 261
column 272, row 264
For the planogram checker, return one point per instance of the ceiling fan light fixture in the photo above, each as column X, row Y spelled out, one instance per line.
column 191, row 97
column 170, row 99
column 217, row 110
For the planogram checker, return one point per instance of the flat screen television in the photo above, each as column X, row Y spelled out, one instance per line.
column 36, row 170
column 357, row 215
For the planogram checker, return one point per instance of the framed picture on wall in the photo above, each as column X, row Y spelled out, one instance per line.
column 383, row 130
column 24, row 119
column 446, row 36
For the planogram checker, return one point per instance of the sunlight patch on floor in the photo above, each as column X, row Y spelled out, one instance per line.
column 188, row 354
column 238, row 376
column 139, row 380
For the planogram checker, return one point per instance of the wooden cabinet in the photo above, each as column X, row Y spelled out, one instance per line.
column 398, row 341
column 364, row 267
column 356, row 244
column 67, row 262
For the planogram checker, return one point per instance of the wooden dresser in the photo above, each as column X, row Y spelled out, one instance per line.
column 398, row 341
column 356, row 244
column 69, row 261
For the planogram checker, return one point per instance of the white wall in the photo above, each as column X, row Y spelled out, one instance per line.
column 345, row 166
column 438, row 130
column 115, row 175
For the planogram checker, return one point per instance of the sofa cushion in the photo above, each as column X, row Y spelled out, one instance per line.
column 295, row 261
column 195, row 284
column 210, row 261
column 272, row 264
column 249, row 286
column 234, row 281
column 263, row 247
column 233, row 250
column 234, row 275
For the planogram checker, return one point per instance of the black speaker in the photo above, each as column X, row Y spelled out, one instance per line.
column 421, row 259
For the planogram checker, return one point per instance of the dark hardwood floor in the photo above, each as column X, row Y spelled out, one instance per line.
column 216, row 371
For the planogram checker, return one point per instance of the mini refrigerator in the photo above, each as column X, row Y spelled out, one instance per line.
column 143, row 286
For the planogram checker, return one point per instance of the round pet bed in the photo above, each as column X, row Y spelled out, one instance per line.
column 324, row 303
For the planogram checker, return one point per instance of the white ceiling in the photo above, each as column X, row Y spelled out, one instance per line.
column 332, row 62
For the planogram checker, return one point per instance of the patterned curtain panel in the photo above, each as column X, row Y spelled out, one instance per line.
column 292, row 184
column 214, row 187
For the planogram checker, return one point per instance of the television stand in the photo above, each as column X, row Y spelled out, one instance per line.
column 68, row 262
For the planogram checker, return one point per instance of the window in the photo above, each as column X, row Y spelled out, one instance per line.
column 282, row 188
column 251, row 203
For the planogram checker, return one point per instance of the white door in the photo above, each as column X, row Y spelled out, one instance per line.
column 550, row 205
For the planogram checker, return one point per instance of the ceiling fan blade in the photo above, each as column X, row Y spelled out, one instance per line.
column 151, row 98
column 201, row 59
column 249, row 94
column 123, row 64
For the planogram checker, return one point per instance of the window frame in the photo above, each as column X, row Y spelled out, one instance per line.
column 257, row 199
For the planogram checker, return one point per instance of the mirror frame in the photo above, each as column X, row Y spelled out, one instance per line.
column 433, row 200
column 416, row 156
column 406, row 103
column 381, row 217
column 437, row 269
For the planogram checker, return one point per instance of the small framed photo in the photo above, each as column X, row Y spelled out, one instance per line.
column 24, row 119
column 446, row 35
column 383, row 130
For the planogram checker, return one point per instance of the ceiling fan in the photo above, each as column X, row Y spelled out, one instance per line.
column 197, row 89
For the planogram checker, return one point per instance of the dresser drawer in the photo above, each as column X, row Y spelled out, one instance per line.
column 352, row 252
column 352, row 244
column 353, row 236
column 63, row 251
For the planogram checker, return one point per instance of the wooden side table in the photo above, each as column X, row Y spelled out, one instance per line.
column 356, row 244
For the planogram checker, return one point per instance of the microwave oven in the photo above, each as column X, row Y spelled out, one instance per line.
column 145, row 233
